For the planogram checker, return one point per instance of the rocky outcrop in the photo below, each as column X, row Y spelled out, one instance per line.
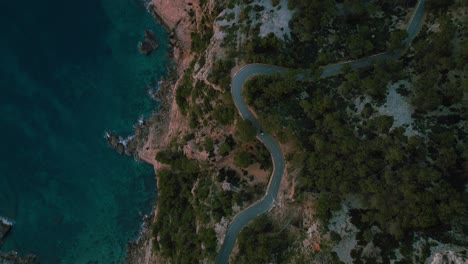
column 175, row 15
column 181, row 18
column 140, row 251
column 13, row 258
column 115, row 142
column 131, row 144
column 126, row 146
column 149, row 43
column 5, row 227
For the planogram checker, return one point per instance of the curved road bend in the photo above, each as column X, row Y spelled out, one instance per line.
column 267, row 201
column 238, row 80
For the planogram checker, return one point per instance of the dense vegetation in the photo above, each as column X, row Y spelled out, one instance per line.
column 322, row 32
column 439, row 62
column 409, row 182
column 175, row 227
column 180, row 211
column 371, row 81
column 262, row 242
column 190, row 200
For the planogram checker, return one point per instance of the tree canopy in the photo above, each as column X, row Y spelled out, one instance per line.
column 246, row 131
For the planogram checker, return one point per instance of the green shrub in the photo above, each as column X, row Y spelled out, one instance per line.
column 246, row 131
column 208, row 144
column 224, row 149
column 242, row 158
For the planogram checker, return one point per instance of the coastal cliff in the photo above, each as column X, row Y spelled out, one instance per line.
column 175, row 16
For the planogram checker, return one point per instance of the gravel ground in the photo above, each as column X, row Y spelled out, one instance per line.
column 399, row 107
column 274, row 20
column 341, row 224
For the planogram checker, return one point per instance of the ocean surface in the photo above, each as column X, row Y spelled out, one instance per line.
column 69, row 71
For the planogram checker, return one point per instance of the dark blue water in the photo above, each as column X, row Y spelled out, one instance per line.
column 68, row 72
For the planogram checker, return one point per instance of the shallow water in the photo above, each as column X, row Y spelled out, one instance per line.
column 70, row 71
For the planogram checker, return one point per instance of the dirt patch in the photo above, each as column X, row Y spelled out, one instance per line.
column 259, row 175
column 310, row 225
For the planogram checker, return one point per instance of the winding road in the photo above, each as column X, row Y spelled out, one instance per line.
column 238, row 80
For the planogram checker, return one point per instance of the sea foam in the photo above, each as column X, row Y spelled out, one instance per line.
column 126, row 140
column 6, row 221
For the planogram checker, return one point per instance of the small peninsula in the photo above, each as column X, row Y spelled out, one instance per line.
column 306, row 131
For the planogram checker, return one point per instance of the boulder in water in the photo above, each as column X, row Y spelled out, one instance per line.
column 149, row 43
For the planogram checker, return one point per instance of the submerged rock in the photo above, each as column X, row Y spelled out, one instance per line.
column 149, row 43
column 149, row 35
column 13, row 258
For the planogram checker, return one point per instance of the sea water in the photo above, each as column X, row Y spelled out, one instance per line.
column 69, row 71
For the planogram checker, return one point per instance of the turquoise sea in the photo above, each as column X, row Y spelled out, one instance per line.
column 69, row 71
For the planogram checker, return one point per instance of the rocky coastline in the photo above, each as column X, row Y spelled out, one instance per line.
column 155, row 126
column 12, row 257
column 173, row 16
column 153, row 134
column 140, row 250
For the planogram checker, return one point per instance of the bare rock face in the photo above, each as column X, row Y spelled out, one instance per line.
column 13, row 258
column 149, row 43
